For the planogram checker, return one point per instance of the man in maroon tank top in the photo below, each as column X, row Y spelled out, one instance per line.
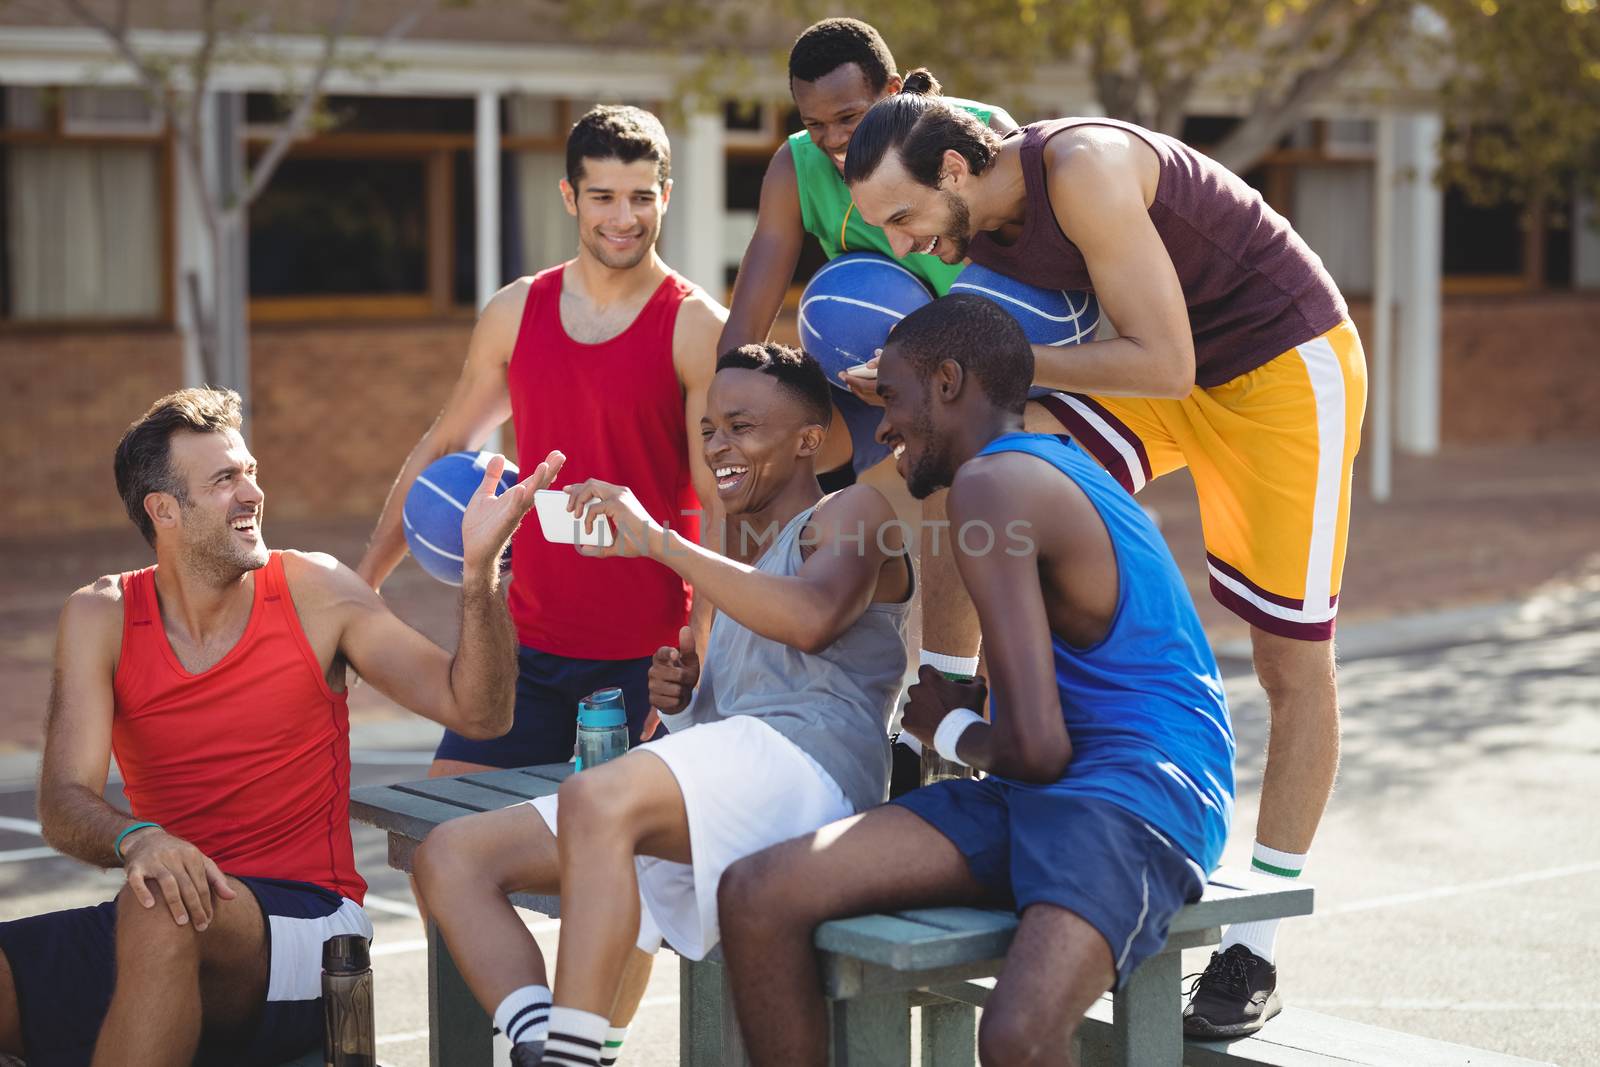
column 217, row 678
column 1235, row 358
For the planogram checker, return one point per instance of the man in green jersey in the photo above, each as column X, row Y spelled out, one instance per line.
column 838, row 68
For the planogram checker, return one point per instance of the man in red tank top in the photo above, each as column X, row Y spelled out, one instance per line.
column 217, row 678
column 1235, row 357
column 606, row 357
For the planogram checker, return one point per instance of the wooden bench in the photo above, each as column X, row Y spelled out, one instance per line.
column 876, row 967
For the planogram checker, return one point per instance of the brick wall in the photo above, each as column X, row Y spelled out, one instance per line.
column 1521, row 369
column 337, row 408
column 65, row 399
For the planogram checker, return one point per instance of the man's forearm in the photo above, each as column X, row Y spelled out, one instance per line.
column 783, row 609
column 77, row 822
column 1115, row 367
column 483, row 674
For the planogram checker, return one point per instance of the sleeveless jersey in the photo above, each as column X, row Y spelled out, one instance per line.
column 1144, row 707
column 828, row 212
column 615, row 409
column 834, row 705
column 249, row 761
column 1254, row 289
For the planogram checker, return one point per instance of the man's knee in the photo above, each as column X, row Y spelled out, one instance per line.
column 1011, row 1039
column 152, row 934
column 597, row 806
column 1287, row 668
column 759, row 892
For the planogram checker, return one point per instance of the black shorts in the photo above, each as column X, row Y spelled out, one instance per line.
column 64, row 967
column 545, row 726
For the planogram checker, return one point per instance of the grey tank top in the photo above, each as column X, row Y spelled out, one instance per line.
column 1254, row 289
column 833, row 705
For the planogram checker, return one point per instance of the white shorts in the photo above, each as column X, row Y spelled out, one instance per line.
column 745, row 787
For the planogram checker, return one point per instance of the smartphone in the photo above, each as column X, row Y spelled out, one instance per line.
column 861, row 370
column 562, row 527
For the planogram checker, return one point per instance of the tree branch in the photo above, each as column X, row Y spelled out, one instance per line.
column 1274, row 114
column 117, row 34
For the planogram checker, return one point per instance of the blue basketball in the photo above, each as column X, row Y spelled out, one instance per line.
column 435, row 504
column 851, row 304
column 1051, row 317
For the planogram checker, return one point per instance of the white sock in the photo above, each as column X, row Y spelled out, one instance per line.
column 576, row 1038
column 525, row 1014
column 965, row 666
column 613, row 1045
column 1261, row 937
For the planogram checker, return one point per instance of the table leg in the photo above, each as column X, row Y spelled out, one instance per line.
column 1147, row 1025
column 949, row 1034
column 872, row 1031
column 459, row 1033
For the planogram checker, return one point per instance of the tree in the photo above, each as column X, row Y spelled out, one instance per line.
column 180, row 85
column 1522, row 75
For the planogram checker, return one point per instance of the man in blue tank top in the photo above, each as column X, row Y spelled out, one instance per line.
column 1109, row 755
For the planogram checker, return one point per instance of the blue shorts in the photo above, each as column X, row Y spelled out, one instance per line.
column 1043, row 845
column 861, row 419
column 64, row 967
column 544, row 728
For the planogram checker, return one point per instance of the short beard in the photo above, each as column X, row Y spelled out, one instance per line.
column 932, row 470
column 217, row 556
column 959, row 233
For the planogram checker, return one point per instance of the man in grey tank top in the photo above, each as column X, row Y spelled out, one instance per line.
column 781, row 731
column 1235, row 358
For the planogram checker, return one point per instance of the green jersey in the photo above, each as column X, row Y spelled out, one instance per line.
column 829, row 214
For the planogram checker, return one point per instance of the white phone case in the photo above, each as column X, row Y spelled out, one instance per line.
column 562, row 527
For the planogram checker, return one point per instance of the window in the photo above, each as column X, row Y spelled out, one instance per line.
column 84, row 180
column 376, row 217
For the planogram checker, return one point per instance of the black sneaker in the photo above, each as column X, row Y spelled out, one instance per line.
column 1232, row 997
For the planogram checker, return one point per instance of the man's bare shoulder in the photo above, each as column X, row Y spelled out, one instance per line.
column 853, row 505
column 695, row 336
column 96, row 603
column 1086, row 151
column 318, row 580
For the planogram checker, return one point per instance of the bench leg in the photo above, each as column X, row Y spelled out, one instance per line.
column 708, row 1032
column 872, row 1031
column 459, row 1033
column 949, row 1034
column 1147, row 1023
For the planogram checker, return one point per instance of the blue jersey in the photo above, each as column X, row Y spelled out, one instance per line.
column 1144, row 707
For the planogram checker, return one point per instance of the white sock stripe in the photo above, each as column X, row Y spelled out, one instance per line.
column 524, row 1015
column 1290, row 861
column 940, row 661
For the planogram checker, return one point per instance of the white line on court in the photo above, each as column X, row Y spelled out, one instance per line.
column 17, row 855
column 24, row 826
column 394, row 907
column 398, row 948
column 390, row 757
column 1474, row 1006
column 402, row 1035
column 1464, row 888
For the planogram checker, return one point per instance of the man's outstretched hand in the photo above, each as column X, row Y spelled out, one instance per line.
column 490, row 520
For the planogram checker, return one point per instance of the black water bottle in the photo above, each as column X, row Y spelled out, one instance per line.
column 349, row 1035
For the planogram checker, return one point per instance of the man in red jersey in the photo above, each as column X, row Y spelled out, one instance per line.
column 217, row 677
column 606, row 357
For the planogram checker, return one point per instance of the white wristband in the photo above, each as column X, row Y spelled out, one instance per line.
column 950, row 730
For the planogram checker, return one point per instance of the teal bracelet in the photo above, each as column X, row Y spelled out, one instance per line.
column 116, row 846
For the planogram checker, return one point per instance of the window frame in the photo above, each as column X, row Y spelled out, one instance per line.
column 164, row 140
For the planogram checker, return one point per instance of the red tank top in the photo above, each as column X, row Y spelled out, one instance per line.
column 249, row 761
column 615, row 410
column 1254, row 289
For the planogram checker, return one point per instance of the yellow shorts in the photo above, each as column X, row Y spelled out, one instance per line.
column 1271, row 453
